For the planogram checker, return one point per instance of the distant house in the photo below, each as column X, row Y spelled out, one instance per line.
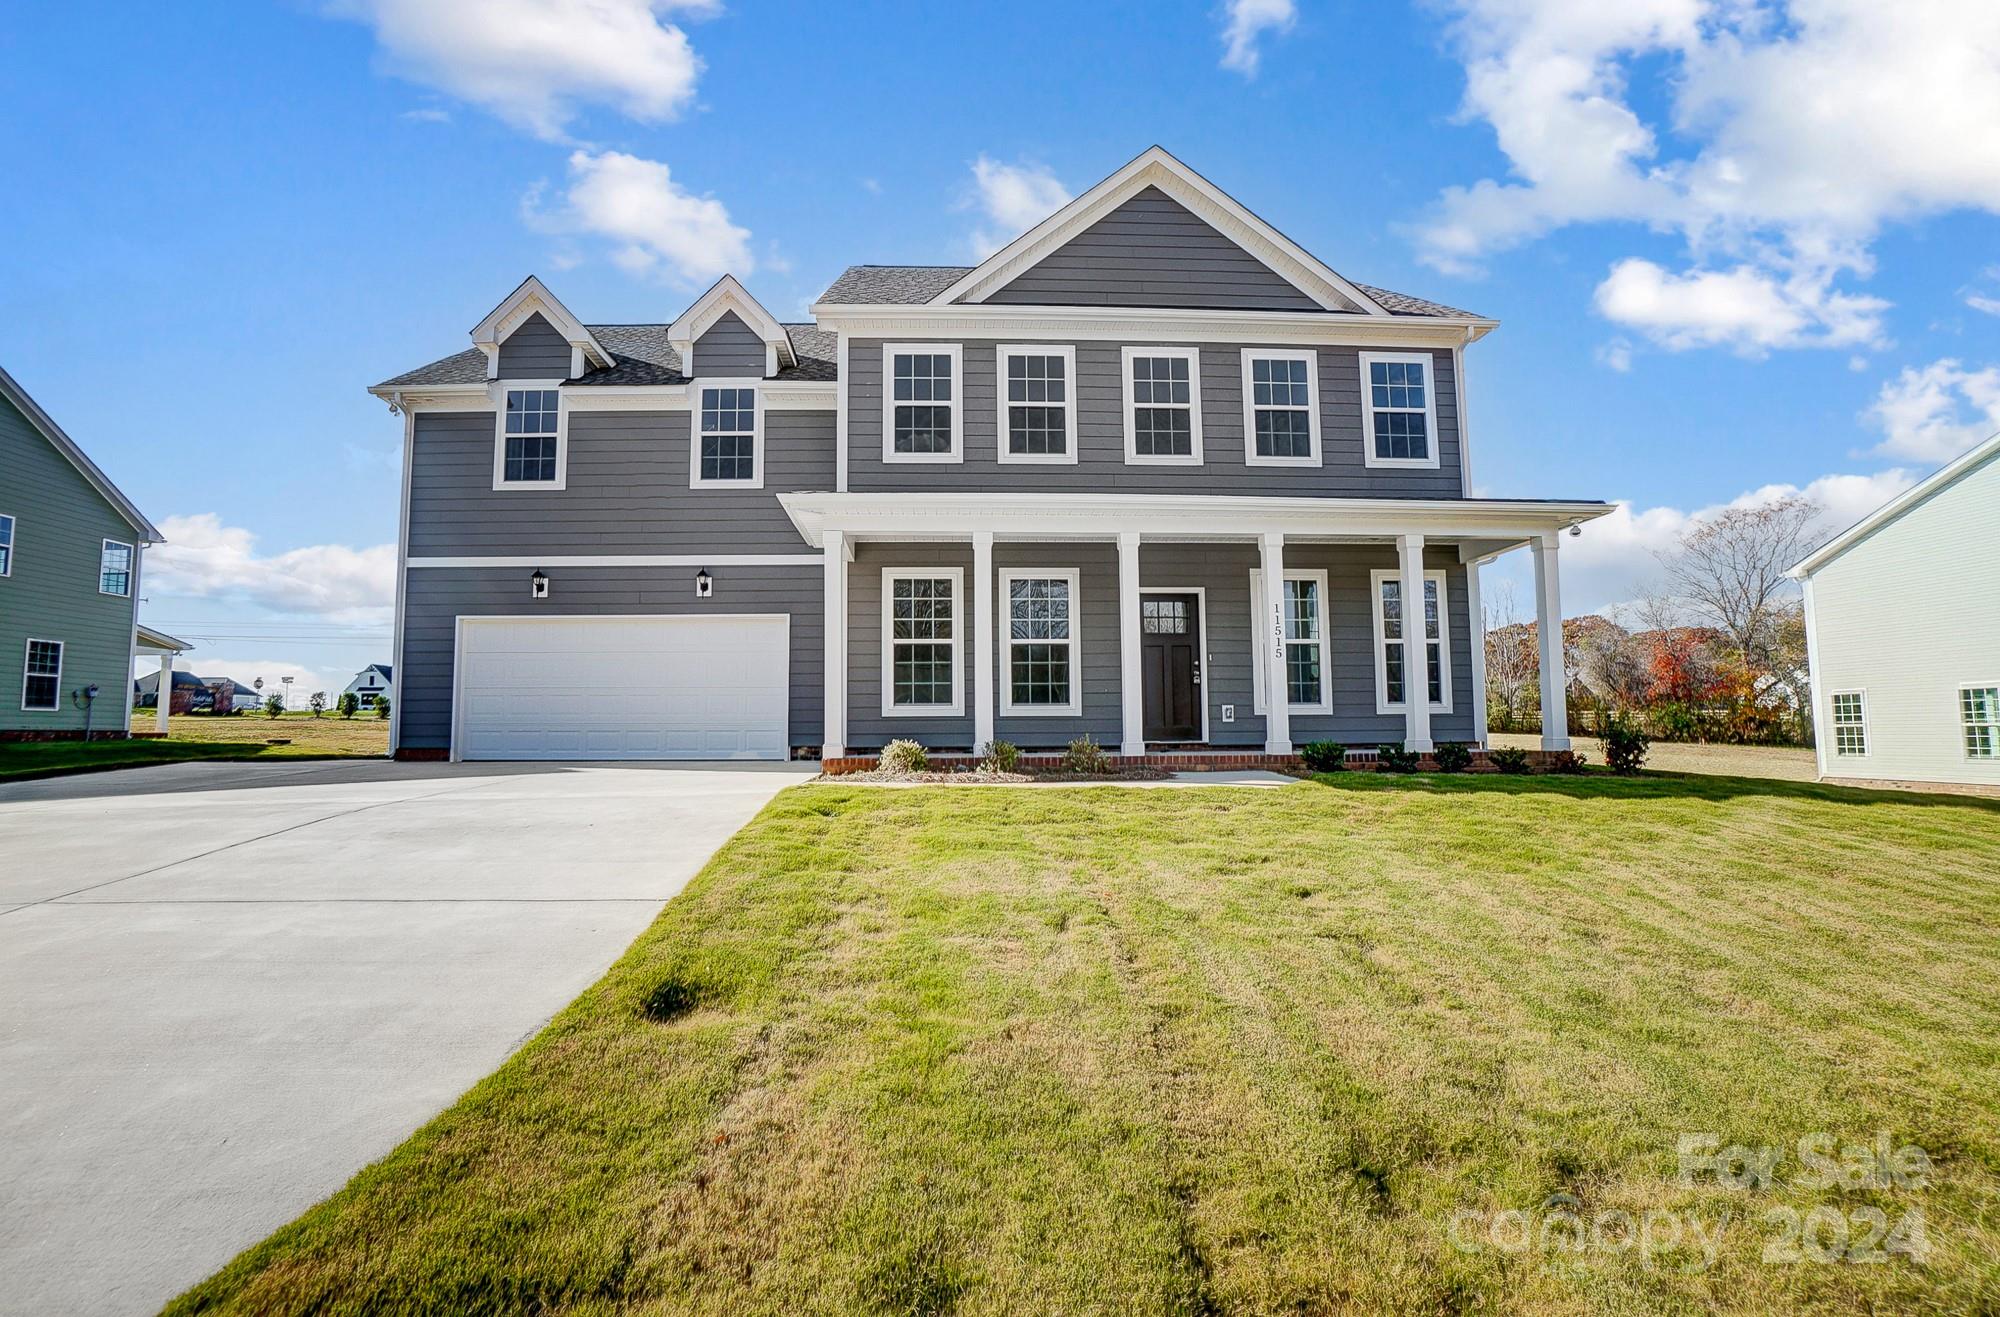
column 372, row 683
column 193, row 694
column 1903, row 633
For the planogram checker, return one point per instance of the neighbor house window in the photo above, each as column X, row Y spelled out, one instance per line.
column 1398, row 409
column 530, row 447
column 1979, row 711
column 6, row 546
column 1162, row 405
column 1041, row 621
column 725, row 451
column 1280, row 408
column 41, row 682
column 1850, row 723
column 1037, row 388
column 920, row 641
column 114, row 569
column 1396, row 628
column 921, row 418
column 1305, row 640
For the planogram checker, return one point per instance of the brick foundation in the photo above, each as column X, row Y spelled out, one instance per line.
column 60, row 734
column 423, row 754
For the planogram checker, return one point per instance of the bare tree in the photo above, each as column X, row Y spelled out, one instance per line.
column 1512, row 662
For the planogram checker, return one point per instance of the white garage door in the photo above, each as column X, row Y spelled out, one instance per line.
column 624, row 688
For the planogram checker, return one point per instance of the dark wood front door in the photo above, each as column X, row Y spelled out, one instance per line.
column 1170, row 658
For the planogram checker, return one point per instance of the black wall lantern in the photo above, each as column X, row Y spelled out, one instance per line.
column 538, row 585
column 704, row 584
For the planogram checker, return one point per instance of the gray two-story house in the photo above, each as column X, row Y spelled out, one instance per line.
column 70, row 552
column 1151, row 473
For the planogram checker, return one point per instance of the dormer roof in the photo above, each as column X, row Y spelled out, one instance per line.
column 724, row 296
column 533, row 298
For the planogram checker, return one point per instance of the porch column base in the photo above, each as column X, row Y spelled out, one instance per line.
column 1131, row 676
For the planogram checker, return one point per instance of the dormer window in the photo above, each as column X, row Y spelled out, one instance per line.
column 1398, row 409
column 921, row 417
column 529, row 446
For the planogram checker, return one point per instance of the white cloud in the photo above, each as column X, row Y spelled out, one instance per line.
column 428, row 114
column 1246, row 21
column 533, row 63
column 1617, row 355
column 1744, row 308
column 1013, row 198
column 1933, row 413
column 1810, row 124
column 1990, row 305
column 656, row 226
column 203, row 558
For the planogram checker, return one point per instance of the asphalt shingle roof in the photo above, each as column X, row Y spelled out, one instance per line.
column 911, row 285
column 640, row 356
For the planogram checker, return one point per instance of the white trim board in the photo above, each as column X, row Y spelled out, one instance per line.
column 1004, row 639
column 629, row 560
column 959, row 612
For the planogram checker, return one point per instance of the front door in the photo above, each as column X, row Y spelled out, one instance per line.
column 1170, row 658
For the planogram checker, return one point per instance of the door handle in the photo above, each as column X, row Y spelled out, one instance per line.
column 1197, row 672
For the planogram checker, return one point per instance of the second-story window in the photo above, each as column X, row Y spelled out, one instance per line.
column 1280, row 408
column 1162, row 405
column 730, row 430
column 530, row 440
column 1037, row 404
column 6, row 545
column 1398, row 409
column 114, row 569
column 921, row 421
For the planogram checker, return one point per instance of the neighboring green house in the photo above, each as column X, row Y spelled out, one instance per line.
column 70, row 555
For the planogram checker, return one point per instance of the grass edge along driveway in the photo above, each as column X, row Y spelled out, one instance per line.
column 1226, row 1050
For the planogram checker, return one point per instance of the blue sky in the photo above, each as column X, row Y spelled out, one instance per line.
column 226, row 220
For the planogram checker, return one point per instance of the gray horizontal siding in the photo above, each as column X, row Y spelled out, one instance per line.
column 729, row 348
column 627, row 489
column 1154, row 252
column 867, row 727
column 535, row 351
column 1101, row 465
column 437, row 596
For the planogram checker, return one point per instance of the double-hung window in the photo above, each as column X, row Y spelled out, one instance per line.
column 1043, row 671
column 922, row 417
column 6, row 545
column 114, row 569
column 528, row 450
column 41, row 680
column 1280, row 408
column 1397, row 627
column 920, row 630
column 1307, row 675
column 1398, row 409
column 730, row 433
column 1979, row 716
column 1037, row 388
column 1850, row 723
column 1162, row 405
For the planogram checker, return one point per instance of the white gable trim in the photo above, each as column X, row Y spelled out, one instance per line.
column 1156, row 168
column 725, row 296
column 11, row 389
column 523, row 304
column 1922, row 492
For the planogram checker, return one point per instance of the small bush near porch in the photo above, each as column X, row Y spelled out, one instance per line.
column 1303, row 1049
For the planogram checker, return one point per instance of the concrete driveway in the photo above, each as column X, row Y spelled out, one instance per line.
column 226, row 988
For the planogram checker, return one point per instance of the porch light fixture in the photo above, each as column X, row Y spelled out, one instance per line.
column 538, row 585
column 704, row 584
column 1575, row 529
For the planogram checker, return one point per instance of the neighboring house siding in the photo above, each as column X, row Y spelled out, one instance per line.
column 535, row 351
column 60, row 525
column 1154, row 252
column 730, row 348
column 1893, row 620
column 1101, row 466
column 627, row 489
column 437, row 597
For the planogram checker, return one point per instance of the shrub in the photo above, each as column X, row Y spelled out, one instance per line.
column 274, row 705
column 1452, row 757
column 317, row 703
column 1625, row 747
column 381, row 706
column 1000, row 757
column 1085, row 756
column 1323, row 756
column 350, row 704
column 903, row 757
column 1395, row 759
column 1567, row 761
column 1508, row 759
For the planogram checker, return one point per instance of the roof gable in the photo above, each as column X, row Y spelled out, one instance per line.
column 725, row 296
column 532, row 298
column 1944, row 478
column 68, row 447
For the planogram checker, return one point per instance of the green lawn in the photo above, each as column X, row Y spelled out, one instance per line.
column 1226, row 1050
column 201, row 736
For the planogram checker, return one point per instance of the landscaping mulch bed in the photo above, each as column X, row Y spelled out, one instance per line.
column 975, row 778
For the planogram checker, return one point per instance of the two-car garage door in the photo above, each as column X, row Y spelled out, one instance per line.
column 707, row 687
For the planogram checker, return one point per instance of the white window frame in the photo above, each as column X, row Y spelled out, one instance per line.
column 1003, row 601
column 131, row 567
column 756, row 481
column 1834, row 724
column 1429, row 363
column 891, row 709
column 62, row 655
column 1250, row 455
column 500, row 390
column 1260, row 701
column 13, row 535
column 1067, row 352
column 956, row 351
column 1375, row 579
column 1964, row 751
column 1133, row 457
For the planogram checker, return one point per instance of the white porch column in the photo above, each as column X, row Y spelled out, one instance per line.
column 1131, row 677
column 1549, row 629
column 166, row 689
column 982, row 639
column 1475, row 618
column 1416, row 647
column 834, row 740
column 1277, row 685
